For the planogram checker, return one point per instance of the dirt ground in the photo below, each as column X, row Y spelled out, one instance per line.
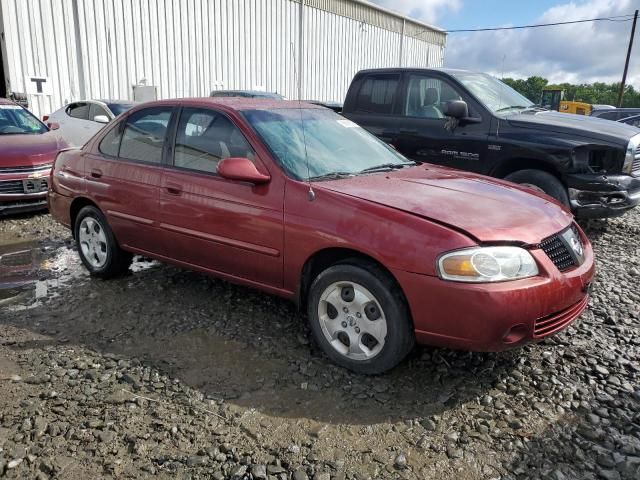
column 168, row 373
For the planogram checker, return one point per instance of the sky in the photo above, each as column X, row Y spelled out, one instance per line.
column 580, row 53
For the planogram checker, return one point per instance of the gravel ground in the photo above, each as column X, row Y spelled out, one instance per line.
column 171, row 374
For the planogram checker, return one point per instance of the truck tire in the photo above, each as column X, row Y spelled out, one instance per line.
column 542, row 181
column 359, row 317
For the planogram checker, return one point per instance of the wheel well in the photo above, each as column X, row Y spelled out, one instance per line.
column 516, row 164
column 77, row 205
column 326, row 258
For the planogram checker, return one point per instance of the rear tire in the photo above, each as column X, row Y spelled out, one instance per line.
column 541, row 180
column 97, row 246
column 359, row 317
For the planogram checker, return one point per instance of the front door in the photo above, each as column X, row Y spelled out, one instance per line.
column 224, row 226
column 427, row 135
column 124, row 177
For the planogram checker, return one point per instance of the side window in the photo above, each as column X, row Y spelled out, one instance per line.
column 110, row 144
column 426, row 97
column 96, row 110
column 78, row 110
column 144, row 134
column 205, row 137
column 377, row 94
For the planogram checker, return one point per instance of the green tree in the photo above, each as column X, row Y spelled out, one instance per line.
column 593, row 93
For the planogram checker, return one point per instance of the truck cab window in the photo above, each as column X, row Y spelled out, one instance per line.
column 426, row 97
column 377, row 94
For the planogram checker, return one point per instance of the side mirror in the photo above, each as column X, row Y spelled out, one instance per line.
column 53, row 125
column 242, row 170
column 101, row 119
column 457, row 109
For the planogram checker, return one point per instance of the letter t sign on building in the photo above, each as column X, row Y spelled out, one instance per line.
column 37, row 85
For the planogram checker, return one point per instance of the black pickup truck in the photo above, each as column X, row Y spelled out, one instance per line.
column 475, row 122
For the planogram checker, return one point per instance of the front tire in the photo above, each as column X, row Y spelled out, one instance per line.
column 541, row 181
column 97, row 246
column 359, row 318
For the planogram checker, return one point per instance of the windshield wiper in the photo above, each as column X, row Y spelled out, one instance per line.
column 521, row 107
column 331, row 176
column 385, row 167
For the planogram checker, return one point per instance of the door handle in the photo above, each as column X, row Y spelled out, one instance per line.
column 96, row 173
column 174, row 189
column 408, row 131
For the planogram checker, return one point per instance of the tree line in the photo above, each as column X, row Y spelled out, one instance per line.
column 594, row 93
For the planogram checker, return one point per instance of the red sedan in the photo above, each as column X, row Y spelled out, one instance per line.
column 27, row 151
column 300, row 202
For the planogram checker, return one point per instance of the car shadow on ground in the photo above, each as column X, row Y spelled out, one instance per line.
column 250, row 349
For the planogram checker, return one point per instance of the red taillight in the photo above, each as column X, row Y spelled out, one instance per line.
column 45, row 118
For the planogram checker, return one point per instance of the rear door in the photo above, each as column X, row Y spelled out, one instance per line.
column 426, row 135
column 124, row 176
column 221, row 225
column 376, row 104
column 74, row 122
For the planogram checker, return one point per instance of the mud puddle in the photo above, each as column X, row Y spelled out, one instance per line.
column 34, row 270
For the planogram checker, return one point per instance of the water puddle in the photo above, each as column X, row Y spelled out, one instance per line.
column 32, row 271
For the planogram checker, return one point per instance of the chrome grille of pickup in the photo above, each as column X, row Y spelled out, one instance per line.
column 635, row 167
column 558, row 252
column 25, row 169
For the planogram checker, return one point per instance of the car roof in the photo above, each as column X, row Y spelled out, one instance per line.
column 627, row 109
column 450, row 71
column 121, row 102
column 6, row 101
column 233, row 103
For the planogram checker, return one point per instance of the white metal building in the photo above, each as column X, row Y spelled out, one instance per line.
column 58, row 51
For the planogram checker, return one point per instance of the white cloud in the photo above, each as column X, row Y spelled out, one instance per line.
column 576, row 53
column 426, row 10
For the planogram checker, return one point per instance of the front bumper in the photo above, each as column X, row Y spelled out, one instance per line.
column 497, row 316
column 600, row 196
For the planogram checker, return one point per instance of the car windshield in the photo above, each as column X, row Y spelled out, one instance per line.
column 118, row 108
column 333, row 145
column 15, row 120
column 497, row 96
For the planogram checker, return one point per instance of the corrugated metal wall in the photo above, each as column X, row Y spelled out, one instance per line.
column 100, row 48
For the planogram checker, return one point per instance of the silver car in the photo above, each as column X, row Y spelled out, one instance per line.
column 79, row 121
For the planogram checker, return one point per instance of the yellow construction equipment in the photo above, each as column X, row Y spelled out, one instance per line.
column 553, row 99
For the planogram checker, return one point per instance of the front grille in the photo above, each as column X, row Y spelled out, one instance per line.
column 11, row 186
column 635, row 167
column 557, row 321
column 25, row 169
column 29, row 186
column 558, row 252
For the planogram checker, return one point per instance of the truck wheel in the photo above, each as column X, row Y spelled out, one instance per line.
column 359, row 318
column 97, row 245
column 541, row 181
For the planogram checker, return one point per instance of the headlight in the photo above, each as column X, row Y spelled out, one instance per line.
column 632, row 147
column 487, row 264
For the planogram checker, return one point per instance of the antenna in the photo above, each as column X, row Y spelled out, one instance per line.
column 311, row 193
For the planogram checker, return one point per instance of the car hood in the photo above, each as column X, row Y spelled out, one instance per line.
column 29, row 150
column 486, row 209
column 581, row 125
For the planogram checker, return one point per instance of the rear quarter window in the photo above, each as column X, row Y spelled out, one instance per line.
column 377, row 94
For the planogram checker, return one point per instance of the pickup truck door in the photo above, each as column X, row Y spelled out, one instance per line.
column 422, row 128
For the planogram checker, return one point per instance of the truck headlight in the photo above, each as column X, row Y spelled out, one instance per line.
column 632, row 148
column 487, row 264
